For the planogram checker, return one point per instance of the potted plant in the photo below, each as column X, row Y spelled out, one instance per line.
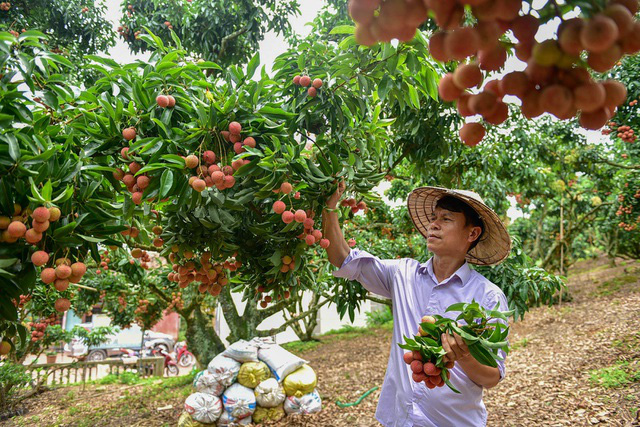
column 51, row 356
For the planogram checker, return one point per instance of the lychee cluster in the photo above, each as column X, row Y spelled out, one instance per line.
column 554, row 81
column 305, row 81
column 310, row 235
column 624, row 132
column 176, row 301
column 165, row 101
column 355, row 206
column 143, row 256
column 266, row 299
column 15, row 228
column 426, row 372
column 211, row 275
column 5, row 6
column 38, row 329
column 62, row 274
column 136, row 185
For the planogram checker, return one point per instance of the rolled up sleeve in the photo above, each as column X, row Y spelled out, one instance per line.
column 375, row 274
column 491, row 302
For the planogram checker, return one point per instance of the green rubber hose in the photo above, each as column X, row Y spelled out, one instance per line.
column 357, row 402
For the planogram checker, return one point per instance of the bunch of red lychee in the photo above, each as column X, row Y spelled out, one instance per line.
column 426, row 372
column 136, row 185
column 626, row 134
column 234, row 135
column 5, row 6
column 143, row 256
column 62, row 274
column 305, row 81
column 211, row 275
column 165, row 101
column 15, row 228
column 554, row 81
column 310, row 235
column 264, row 302
column 176, row 301
column 38, row 329
column 355, row 206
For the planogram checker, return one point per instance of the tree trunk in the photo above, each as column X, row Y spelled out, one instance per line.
column 536, row 245
column 202, row 339
column 305, row 332
column 612, row 251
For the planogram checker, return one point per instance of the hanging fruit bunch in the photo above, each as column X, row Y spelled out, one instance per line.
column 478, row 34
column 483, row 335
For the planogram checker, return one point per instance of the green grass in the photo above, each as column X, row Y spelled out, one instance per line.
column 612, row 286
column 619, row 375
column 629, row 342
column 300, row 346
column 344, row 333
column 520, row 344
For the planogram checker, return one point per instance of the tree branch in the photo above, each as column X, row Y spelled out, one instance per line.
column 286, row 324
column 380, row 300
column 227, row 39
column 228, row 307
column 270, row 311
column 618, row 165
column 316, row 144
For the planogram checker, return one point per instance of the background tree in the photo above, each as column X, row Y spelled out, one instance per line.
column 226, row 32
column 75, row 28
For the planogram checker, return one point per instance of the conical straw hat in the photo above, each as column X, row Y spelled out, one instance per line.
column 494, row 245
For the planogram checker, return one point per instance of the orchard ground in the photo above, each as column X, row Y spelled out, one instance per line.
column 573, row 364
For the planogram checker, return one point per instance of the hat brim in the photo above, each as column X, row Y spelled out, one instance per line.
column 494, row 245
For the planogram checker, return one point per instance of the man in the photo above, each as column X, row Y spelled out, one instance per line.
column 460, row 229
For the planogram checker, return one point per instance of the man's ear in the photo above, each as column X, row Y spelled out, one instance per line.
column 474, row 234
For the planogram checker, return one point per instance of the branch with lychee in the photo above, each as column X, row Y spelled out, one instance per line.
column 484, row 337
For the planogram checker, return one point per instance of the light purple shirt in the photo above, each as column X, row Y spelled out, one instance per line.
column 415, row 292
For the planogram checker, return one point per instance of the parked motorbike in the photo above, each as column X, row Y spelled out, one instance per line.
column 185, row 357
column 170, row 365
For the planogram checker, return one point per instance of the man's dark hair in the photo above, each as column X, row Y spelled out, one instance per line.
column 453, row 204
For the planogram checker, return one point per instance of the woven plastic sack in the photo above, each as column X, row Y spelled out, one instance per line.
column 280, row 361
column 268, row 414
column 253, row 373
column 262, row 342
column 239, row 401
column 203, row 407
column 242, row 351
column 227, row 420
column 302, row 381
column 205, row 382
column 224, row 370
column 269, row 393
column 307, row 404
column 185, row 420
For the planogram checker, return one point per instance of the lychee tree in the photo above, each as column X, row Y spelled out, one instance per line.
column 478, row 36
column 75, row 28
column 226, row 32
column 55, row 207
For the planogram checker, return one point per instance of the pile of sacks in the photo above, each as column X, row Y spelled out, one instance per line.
column 251, row 382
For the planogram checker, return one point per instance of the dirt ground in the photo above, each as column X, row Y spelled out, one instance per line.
column 562, row 360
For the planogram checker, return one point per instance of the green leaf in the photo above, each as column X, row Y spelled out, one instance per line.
column 47, row 190
column 343, row 29
column 253, row 65
column 166, row 183
column 14, row 148
column 65, row 230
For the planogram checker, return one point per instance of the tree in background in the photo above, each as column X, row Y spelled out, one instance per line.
column 75, row 28
column 226, row 31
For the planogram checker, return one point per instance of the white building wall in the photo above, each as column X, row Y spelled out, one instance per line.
column 328, row 319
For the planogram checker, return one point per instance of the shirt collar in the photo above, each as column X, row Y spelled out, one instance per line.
column 462, row 273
